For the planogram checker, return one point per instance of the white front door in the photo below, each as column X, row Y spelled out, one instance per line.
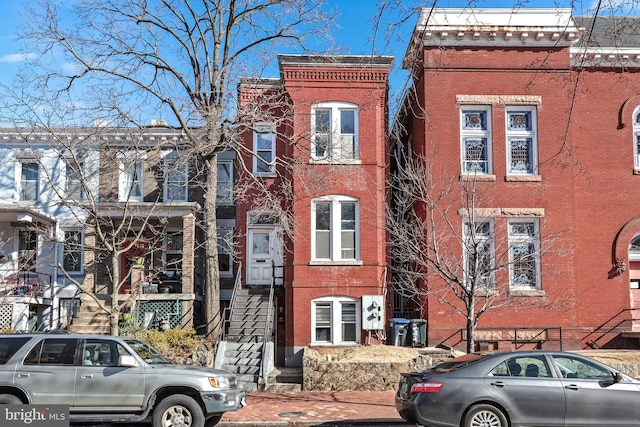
column 264, row 252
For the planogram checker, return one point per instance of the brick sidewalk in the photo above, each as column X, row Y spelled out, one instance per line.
column 314, row 408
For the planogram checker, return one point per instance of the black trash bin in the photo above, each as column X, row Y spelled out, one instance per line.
column 418, row 332
column 399, row 332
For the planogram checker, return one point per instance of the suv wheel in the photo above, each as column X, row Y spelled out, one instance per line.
column 178, row 411
column 10, row 399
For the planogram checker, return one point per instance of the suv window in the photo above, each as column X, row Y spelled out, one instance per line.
column 53, row 352
column 98, row 352
column 9, row 346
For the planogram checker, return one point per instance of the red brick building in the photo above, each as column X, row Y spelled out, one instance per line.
column 541, row 112
column 319, row 144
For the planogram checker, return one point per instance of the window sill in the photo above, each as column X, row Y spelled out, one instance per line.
column 527, row 293
column 334, row 162
column 265, row 174
column 336, row 263
column 636, row 171
column 523, row 178
column 478, row 177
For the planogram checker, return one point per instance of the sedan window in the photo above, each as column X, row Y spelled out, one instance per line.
column 522, row 366
column 576, row 367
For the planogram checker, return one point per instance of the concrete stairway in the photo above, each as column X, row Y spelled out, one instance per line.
column 244, row 338
column 90, row 319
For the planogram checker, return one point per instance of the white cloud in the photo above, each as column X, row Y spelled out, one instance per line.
column 16, row 57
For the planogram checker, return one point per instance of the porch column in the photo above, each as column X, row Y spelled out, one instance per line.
column 188, row 250
column 89, row 264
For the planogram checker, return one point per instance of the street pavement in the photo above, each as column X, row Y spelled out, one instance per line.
column 326, row 409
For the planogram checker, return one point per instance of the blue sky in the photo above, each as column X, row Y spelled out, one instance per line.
column 355, row 29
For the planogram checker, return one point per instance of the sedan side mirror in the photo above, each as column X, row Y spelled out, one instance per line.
column 617, row 377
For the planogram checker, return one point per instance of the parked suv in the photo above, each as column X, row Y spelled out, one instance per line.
column 107, row 379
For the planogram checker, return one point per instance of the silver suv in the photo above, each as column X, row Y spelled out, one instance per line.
column 112, row 379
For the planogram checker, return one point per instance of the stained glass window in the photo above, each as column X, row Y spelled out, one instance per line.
column 524, row 254
column 476, row 140
column 521, row 140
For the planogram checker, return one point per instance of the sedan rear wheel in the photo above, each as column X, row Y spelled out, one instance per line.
column 485, row 416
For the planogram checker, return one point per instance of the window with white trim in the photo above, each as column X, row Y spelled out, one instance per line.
column 224, row 194
column 636, row 138
column 130, row 185
column 524, row 254
column 522, row 142
column 335, row 321
column 479, row 254
column 264, row 148
column 335, row 132
column 175, row 178
column 29, row 180
column 336, row 226
column 72, row 251
column 475, row 135
column 73, row 180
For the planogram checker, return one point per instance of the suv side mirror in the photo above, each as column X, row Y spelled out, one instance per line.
column 127, row 361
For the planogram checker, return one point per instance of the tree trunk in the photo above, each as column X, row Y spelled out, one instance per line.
column 212, row 278
column 114, row 311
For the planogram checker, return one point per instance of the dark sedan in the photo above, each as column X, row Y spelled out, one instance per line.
column 533, row 388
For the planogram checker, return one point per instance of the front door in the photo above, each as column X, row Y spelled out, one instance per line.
column 264, row 252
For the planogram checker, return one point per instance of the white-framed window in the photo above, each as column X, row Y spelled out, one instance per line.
column 130, row 183
column 29, row 180
column 636, row 138
column 225, row 252
column 175, row 178
column 479, row 254
column 264, row 149
column 335, row 321
column 335, row 132
column 475, row 135
column 524, row 254
column 73, row 180
column 335, row 221
column 72, row 251
column 522, row 141
column 224, row 195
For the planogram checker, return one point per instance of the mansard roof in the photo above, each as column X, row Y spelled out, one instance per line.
column 607, row 41
column 609, row 31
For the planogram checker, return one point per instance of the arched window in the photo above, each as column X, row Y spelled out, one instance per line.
column 335, row 320
column 335, row 222
column 335, row 132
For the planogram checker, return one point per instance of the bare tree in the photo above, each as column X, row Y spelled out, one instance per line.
column 443, row 245
column 177, row 59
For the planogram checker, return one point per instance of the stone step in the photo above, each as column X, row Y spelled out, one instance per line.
column 243, row 370
column 283, row 388
column 242, row 361
column 234, row 346
column 90, row 329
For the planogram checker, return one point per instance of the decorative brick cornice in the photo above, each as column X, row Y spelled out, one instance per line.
column 348, row 75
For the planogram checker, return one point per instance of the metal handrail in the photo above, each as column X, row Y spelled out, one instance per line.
column 229, row 310
column 268, row 323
